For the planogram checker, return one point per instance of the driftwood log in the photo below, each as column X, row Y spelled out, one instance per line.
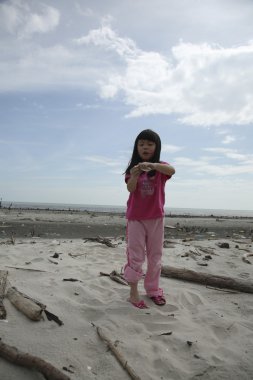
column 25, row 304
column 3, row 281
column 31, row 307
column 13, row 355
column 118, row 354
column 207, row 279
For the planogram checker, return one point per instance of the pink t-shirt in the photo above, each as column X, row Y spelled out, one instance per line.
column 148, row 199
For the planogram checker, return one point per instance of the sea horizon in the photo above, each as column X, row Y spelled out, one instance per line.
column 121, row 209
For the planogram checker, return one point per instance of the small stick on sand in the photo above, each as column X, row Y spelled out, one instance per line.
column 117, row 354
column 22, row 268
column 13, row 355
column 115, row 276
column 102, row 240
column 3, row 281
column 245, row 257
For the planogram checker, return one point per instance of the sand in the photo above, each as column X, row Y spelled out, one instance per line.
column 201, row 333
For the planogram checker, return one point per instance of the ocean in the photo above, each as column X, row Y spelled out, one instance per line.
column 121, row 209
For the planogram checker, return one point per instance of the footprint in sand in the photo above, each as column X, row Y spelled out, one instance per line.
column 37, row 260
column 244, row 275
column 190, row 299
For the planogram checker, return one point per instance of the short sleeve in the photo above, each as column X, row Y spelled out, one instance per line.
column 127, row 176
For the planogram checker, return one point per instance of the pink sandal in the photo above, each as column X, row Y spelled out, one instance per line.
column 159, row 300
column 140, row 304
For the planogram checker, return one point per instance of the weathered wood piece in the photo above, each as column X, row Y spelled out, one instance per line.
column 118, row 355
column 115, row 276
column 207, row 279
column 13, row 355
column 25, row 304
column 245, row 257
column 3, row 281
column 102, row 240
column 29, row 269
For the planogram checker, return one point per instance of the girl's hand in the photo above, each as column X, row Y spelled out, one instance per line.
column 147, row 166
column 135, row 171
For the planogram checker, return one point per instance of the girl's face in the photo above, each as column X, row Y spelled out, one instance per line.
column 146, row 149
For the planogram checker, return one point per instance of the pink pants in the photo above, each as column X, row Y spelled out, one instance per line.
column 145, row 238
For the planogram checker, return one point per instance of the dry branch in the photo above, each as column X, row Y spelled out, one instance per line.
column 117, row 354
column 23, row 268
column 245, row 257
column 3, row 281
column 115, row 276
column 102, row 240
column 13, row 355
column 207, row 279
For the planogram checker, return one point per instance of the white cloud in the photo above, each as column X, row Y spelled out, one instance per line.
column 205, row 84
column 103, row 160
column 107, row 38
column 228, row 139
column 166, row 148
column 203, row 166
column 212, row 193
column 17, row 18
column 232, row 154
column 202, row 84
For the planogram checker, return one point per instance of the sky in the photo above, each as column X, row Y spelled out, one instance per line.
column 80, row 79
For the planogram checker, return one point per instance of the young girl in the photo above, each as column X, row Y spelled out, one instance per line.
column 145, row 177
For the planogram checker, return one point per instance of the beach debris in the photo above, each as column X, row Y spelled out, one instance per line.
column 52, row 317
column 77, row 254
column 168, row 244
column 207, row 257
column 53, row 262
column 245, row 257
column 55, row 242
column 71, row 279
column 12, row 238
column 55, row 255
column 102, row 240
column 23, row 268
column 165, row 333
column 208, row 250
column 30, row 307
column 123, row 362
column 15, row 356
column 192, row 253
column 246, row 241
column 24, row 304
column 3, row 282
column 68, row 369
column 207, row 279
column 189, row 343
column 243, row 249
column 223, row 245
column 115, row 276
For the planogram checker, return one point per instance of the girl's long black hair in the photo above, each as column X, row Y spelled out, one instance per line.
column 150, row 135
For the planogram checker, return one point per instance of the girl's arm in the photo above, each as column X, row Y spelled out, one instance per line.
column 165, row 168
column 162, row 168
column 132, row 182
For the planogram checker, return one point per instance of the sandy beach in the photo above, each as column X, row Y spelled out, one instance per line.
column 56, row 257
